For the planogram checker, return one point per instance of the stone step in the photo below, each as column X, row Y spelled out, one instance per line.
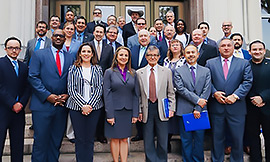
column 133, row 157
column 68, row 147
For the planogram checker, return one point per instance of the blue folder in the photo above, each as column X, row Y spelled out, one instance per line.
column 192, row 124
column 166, row 107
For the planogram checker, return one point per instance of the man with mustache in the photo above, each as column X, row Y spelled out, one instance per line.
column 54, row 24
column 40, row 42
column 238, row 51
column 80, row 32
column 97, row 16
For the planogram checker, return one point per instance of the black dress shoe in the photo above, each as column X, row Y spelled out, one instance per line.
column 31, row 127
column 136, row 138
column 102, row 140
column 72, row 140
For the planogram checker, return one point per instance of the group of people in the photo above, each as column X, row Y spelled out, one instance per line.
column 94, row 80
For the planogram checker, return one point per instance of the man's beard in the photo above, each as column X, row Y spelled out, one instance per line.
column 97, row 18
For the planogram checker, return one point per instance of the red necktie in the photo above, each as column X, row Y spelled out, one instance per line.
column 152, row 87
column 58, row 62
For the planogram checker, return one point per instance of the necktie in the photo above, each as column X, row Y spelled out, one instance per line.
column 169, row 43
column 16, row 67
column 193, row 74
column 237, row 54
column 110, row 44
column 79, row 37
column 58, row 62
column 160, row 37
column 225, row 68
column 152, row 87
column 98, row 50
column 38, row 44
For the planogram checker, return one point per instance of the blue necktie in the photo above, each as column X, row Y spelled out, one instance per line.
column 193, row 74
column 16, row 67
column 38, row 44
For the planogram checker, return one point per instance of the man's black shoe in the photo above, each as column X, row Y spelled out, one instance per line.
column 136, row 138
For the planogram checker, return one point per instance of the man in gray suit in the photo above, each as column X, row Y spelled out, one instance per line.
column 155, row 85
column 40, row 42
column 231, row 81
column 133, row 40
column 193, row 84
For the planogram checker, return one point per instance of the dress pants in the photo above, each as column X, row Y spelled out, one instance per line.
column 69, row 132
column 15, row 123
column 256, row 119
column 192, row 144
column 101, row 123
column 155, row 126
column 49, row 129
column 84, row 129
column 236, row 125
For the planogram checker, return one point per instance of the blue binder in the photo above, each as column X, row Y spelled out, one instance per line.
column 166, row 107
column 192, row 124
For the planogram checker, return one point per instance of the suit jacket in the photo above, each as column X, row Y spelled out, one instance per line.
column 128, row 30
column 73, row 48
column 106, row 57
column 88, row 37
column 246, row 54
column 45, row 79
column 239, row 81
column 134, row 40
column 135, row 51
column 163, row 48
column 91, row 25
column 260, row 87
column 117, row 44
column 13, row 86
column 164, row 90
column 206, row 52
column 119, row 94
column 31, row 44
column 189, row 94
column 76, row 88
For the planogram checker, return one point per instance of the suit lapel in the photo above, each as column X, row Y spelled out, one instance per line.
column 144, row 78
column 160, row 72
column 119, row 75
column 232, row 67
column 51, row 58
column 220, row 68
column 188, row 75
column 201, row 51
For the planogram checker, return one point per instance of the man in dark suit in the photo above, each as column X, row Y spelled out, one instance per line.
column 238, row 51
column 258, row 103
column 206, row 51
column 105, row 55
column 80, row 33
column 97, row 14
column 193, row 84
column 159, row 25
column 155, row 122
column 111, row 36
column 130, row 29
column 40, row 42
column 231, row 81
column 69, row 18
column 48, row 77
column 14, row 94
column 204, row 26
column 163, row 45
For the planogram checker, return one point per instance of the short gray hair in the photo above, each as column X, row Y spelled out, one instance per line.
column 153, row 48
column 170, row 11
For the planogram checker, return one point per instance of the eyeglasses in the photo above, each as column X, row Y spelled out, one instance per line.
column 226, row 25
column 97, row 13
column 140, row 23
column 152, row 55
column 110, row 32
column 58, row 35
column 13, row 48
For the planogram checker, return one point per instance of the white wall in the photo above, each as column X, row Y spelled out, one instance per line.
column 17, row 19
column 244, row 14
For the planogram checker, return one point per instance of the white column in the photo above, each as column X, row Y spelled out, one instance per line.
column 17, row 19
column 244, row 14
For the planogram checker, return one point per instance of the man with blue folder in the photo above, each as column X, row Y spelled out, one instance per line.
column 193, row 84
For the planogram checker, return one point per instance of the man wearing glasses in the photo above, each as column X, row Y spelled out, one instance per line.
column 155, row 85
column 97, row 16
column 14, row 94
column 40, row 42
column 48, row 77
